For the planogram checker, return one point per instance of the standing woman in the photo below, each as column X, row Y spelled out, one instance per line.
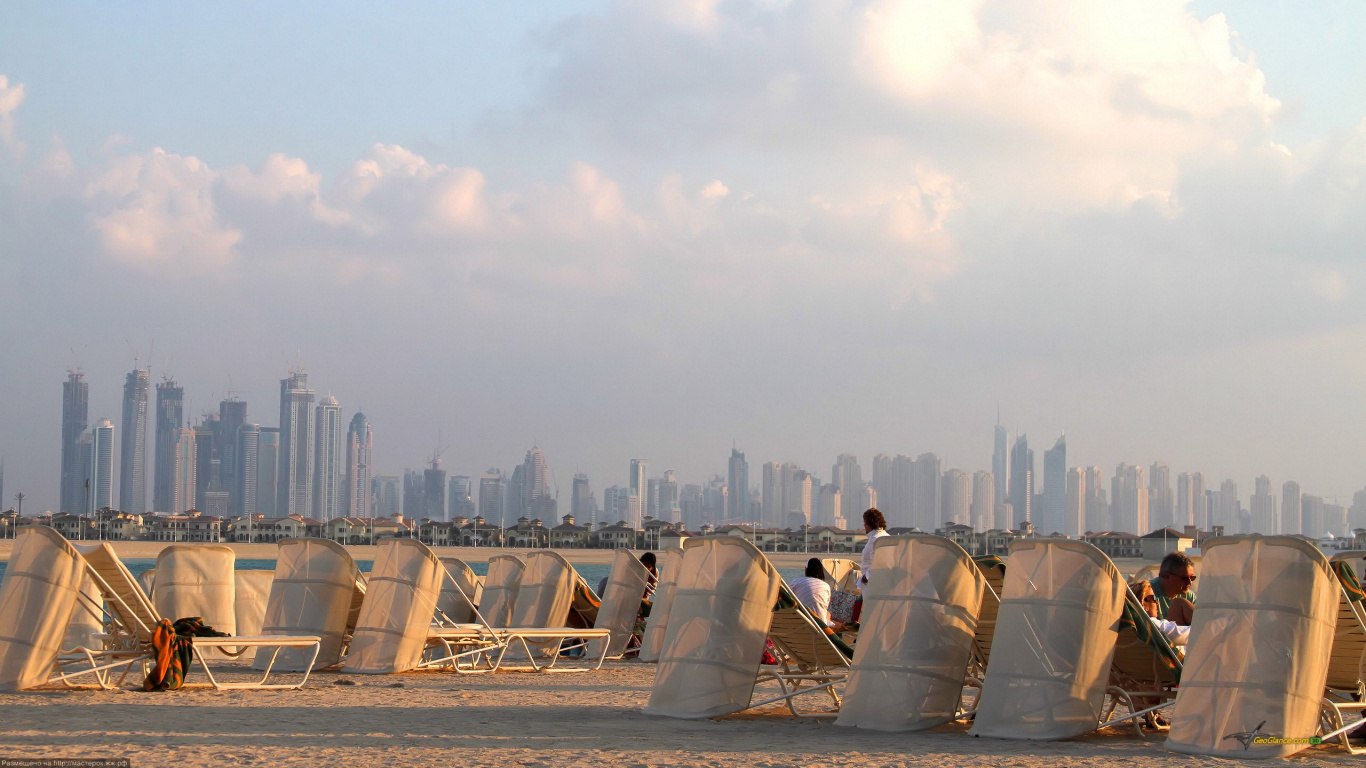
column 875, row 525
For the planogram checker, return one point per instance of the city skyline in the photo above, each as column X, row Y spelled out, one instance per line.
column 530, row 226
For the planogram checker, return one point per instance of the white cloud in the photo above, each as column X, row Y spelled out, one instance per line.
column 11, row 96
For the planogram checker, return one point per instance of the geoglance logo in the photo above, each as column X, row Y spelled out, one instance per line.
column 1255, row 736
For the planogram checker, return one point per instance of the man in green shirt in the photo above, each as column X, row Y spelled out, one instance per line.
column 1174, row 588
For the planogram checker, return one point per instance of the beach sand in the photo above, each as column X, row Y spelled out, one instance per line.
column 506, row 719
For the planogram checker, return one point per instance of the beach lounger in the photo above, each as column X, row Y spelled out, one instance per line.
column 993, row 570
column 622, row 602
column 400, row 602
column 41, row 588
column 1054, row 642
column 811, row 657
column 501, row 585
column 198, row 580
column 460, row 594
column 670, row 560
column 916, row 637
column 1145, row 669
column 1346, row 682
column 316, row 589
column 1257, row 663
column 252, row 596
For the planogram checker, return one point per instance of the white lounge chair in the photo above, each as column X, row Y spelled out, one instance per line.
column 621, row 604
column 39, row 594
column 316, row 589
column 198, row 580
column 251, row 598
column 396, row 617
column 460, row 594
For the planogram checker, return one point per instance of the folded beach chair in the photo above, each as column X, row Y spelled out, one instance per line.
column 1054, row 641
column 460, row 594
column 400, row 603
column 993, row 570
column 546, row 611
column 87, row 619
column 670, row 560
column 1145, row 669
column 316, row 589
column 916, row 637
column 41, row 588
column 198, row 580
column 1257, row 662
column 252, row 595
column 622, row 602
column 1346, row 683
column 501, row 585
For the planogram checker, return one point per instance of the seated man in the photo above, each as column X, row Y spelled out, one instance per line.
column 1172, row 588
column 812, row 590
column 1176, row 634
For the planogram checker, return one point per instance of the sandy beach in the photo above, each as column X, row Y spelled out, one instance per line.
column 506, row 719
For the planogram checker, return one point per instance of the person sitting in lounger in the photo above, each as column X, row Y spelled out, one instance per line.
column 1176, row 634
column 812, row 590
column 649, row 561
column 1172, row 588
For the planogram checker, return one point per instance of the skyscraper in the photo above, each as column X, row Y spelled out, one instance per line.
column 170, row 419
column 133, row 454
column 460, row 497
column 75, row 419
column 1097, row 506
column 268, row 472
column 670, row 506
column 1021, row 480
column 1074, row 503
column 983, row 510
column 296, row 446
column 828, row 508
column 926, row 493
column 1129, row 500
column 1190, row 500
column 232, row 415
column 1312, row 516
column 329, row 460
column 638, row 485
column 1291, row 513
column 248, row 466
column 492, row 488
column 359, row 456
column 797, row 496
column 1000, row 466
column 957, row 498
column 616, row 505
column 581, row 502
column 847, row 476
column 1051, row 518
column 1161, row 501
column 434, row 490
column 737, row 487
column 1229, row 507
column 102, row 465
column 385, row 495
column 182, row 469
column 539, row 503
column 772, row 493
column 1262, row 506
column 414, row 494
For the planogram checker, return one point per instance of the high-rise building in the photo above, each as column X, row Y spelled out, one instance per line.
column 957, row 498
column 460, row 499
column 616, row 505
column 1161, row 501
column 772, row 492
column 1022, row 480
column 329, row 460
column 983, row 510
column 434, row 490
column 386, row 494
column 183, row 468
column 652, row 497
column 1229, row 507
column 1000, row 466
column 232, row 416
column 1129, row 500
column 1356, row 515
column 1262, row 507
column 208, row 476
column 248, row 467
column 492, row 490
column 883, row 479
column 828, row 510
column 1190, row 501
column 75, row 419
column 1292, row 520
column 926, row 492
column 1074, row 503
column 847, row 476
column 360, row 449
column 797, row 496
column 638, row 485
column 670, row 506
column 133, row 453
column 581, row 502
column 1051, row 518
column 1312, row 516
column 737, row 487
column 268, row 472
column 101, row 465
column 414, row 494
column 296, row 446
column 170, row 419
column 1335, row 520
column 1097, row 506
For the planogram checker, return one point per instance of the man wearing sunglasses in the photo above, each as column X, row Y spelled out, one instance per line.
column 1174, row 588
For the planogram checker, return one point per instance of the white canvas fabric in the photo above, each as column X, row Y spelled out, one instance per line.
column 37, row 598
column 400, row 603
column 87, row 619
column 197, row 580
column 501, row 586
column 457, row 605
column 620, row 603
column 1258, row 654
column 252, row 595
column 1055, row 637
column 546, row 593
column 722, row 606
column 915, row 639
column 841, row 573
column 310, row 594
column 148, row 580
column 669, row 563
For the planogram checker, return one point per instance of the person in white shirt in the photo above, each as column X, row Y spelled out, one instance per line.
column 813, row 591
column 875, row 525
column 1176, row 634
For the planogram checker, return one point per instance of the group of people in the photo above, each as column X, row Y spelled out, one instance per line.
column 814, row 591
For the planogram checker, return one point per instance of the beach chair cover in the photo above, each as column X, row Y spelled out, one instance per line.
column 197, row 580
column 620, row 603
column 1258, row 654
column 842, row 573
column 87, row 618
column 253, row 594
column 546, row 592
column 670, row 560
column 311, row 593
column 915, row 640
column 396, row 616
column 456, row 604
column 37, row 598
column 148, row 580
column 501, row 585
column 722, row 605
column 1055, row 637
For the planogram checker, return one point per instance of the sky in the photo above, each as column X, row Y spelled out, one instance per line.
column 659, row 229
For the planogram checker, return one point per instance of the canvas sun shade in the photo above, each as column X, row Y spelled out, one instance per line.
column 501, row 586
column 1054, row 640
column 311, row 593
column 670, row 561
column 722, row 605
column 546, row 592
column 456, row 605
column 252, row 595
column 915, row 640
column 400, row 601
column 39, row 594
column 620, row 603
column 197, row 580
column 1258, row 655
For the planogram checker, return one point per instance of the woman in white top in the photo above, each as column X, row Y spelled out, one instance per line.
column 813, row 591
column 875, row 525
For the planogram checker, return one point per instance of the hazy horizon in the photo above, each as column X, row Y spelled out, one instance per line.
column 622, row 230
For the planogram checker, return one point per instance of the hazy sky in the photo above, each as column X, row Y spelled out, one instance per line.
column 649, row 229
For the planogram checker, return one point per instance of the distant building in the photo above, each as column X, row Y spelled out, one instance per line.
column 847, row 477
column 360, row 449
column 638, row 485
column 492, row 488
column 1022, row 479
column 460, row 498
column 737, row 486
column 1000, row 469
column 296, row 446
column 183, row 470
column 956, row 498
column 1291, row 515
column 75, row 420
column 1074, row 504
column 268, row 472
column 1128, row 499
column 329, row 461
column 1051, row 518
column 1161, row 501
column 1190, row 500
column 385, row 495
column 1262, row 507
column 983, row 509
column 133, row 454
column 248, row 468
column 102, row 465
column 170, row 419
column 434, row 490
column 232, row 416
column 926, row 493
